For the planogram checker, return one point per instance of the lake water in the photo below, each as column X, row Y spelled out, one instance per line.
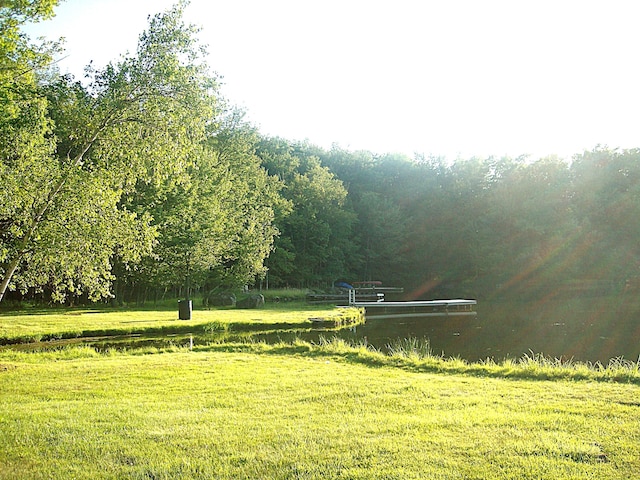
column 591, row 329
column 594, row 330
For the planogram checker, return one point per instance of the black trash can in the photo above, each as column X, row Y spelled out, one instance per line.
column 184, row 309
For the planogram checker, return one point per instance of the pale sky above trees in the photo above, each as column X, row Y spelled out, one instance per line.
column 454, row 78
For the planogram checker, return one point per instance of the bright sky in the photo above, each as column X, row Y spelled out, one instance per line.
column 449, row 77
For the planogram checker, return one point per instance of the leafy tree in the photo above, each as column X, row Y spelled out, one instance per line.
column 137, row 122
column 216, row 228
column 381, row 238
column 315, row 243
column 530, row 212
column 319, row 227
column 607, row 203
column 18, row 57
column 251, row 199
column 25, row 148
column 380, row 189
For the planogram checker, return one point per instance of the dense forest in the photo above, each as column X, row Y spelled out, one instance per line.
column 140, row 182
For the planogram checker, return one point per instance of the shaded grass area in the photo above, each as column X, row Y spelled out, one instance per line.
column 309, row 411
column 35, row 325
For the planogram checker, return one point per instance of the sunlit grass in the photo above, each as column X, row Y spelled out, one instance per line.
column 301, row 410
column 418, row 354
column 38, row 325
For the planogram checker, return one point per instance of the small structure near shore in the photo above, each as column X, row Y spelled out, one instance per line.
column 366, row 291
column 419, row 308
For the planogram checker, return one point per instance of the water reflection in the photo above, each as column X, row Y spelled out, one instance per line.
column 591, row 330
column 451, row 336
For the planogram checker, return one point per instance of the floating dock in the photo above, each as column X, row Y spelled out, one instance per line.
column 420, row 308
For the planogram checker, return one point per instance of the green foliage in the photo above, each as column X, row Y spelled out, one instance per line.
column 140, row 156
column 215, row 229
column 315, row 242
column 24, row 128
column 284, row 295
column 215, row 327
column 494, row 226
column 19, row 59
column 143, row 176
column 607, row 204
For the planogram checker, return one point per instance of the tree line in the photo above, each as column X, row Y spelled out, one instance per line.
column 474, row 227
column 141, row 181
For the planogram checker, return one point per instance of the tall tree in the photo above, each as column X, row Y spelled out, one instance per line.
column 25, row 146
column 607, row 203
column 216, row 228
column 532, row 225
column 137, row 122
column 315, row 243
column 255, row 202
column 380, row 192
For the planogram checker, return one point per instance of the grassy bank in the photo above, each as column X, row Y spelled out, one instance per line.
column 32, row 325
column 304, row 411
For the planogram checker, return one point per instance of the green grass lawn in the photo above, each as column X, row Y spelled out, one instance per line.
column 45, row 324
column 250, row 410
column 307, row 411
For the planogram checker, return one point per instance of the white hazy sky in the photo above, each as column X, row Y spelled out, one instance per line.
column 451, row 77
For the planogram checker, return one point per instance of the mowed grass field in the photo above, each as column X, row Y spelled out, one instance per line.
column 328, row 410
column 33, row 325
column 253, row 411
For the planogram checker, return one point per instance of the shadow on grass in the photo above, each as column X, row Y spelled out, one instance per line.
column 529, row 367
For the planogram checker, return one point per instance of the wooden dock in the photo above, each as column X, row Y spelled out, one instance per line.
column 342, row 298
column 420, row 308
column 367, row 291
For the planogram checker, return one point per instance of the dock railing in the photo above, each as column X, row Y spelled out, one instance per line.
column 352, row 297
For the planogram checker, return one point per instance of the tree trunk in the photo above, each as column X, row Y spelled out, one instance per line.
column 11, row 269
